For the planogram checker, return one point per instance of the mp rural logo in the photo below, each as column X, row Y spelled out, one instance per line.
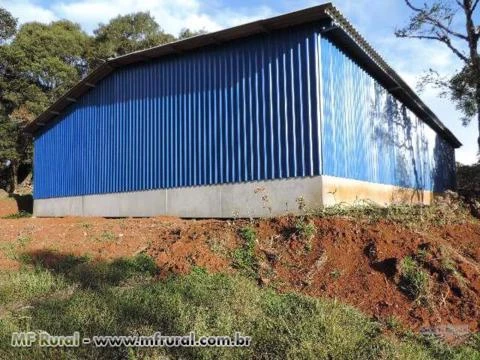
column 42, row 338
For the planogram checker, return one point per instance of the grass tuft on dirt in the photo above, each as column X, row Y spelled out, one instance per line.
column 63, row 293
column 444, row 211
column 414, row 280
column 19, row 215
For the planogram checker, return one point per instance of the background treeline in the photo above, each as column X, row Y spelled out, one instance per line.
column 39, row 62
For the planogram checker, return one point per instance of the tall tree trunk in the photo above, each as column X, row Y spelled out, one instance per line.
column 14, row 177
column 478, row 138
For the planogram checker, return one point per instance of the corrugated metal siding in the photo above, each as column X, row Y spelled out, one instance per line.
column 246, row 110
column 370, row 136
column 243, row 111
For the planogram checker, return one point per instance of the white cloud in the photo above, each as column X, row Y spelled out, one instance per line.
column 171, row 15
column 26, row 11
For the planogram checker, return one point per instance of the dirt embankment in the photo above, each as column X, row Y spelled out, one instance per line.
column 355, row 261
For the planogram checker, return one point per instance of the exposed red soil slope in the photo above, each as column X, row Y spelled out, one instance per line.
column 8, row 207
column 354, row 261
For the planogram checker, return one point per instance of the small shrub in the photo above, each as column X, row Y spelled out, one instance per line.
column 248, row 234
column 244, row 257
column 414, row 280
column 305, row 230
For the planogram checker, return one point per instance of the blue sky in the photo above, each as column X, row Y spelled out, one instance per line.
column 375, row 19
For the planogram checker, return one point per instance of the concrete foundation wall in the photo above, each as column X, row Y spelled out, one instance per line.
column 252, row 199
column 341, row 190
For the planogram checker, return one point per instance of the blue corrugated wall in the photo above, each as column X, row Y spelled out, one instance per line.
column 243, row 111
column 369, row 135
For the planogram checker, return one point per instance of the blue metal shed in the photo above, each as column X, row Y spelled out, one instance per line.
column 294, row 97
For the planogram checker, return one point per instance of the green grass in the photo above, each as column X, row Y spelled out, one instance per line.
column 107, row 236
column 14, row 250
column 414, row 280
column 412, row 216
column 124, row 298
column 244, row 258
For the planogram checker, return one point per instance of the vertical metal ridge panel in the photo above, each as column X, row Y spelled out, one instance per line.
column 369, row 135
column 242, row 111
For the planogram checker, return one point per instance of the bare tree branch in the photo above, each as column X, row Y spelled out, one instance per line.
column 436, row 22
column 475, row 5
column 441, row 38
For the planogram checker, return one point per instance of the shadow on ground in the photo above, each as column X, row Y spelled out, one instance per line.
column 91, row 273
column 24, row 202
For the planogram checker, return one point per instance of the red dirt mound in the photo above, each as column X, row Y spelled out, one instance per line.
column 355, row 261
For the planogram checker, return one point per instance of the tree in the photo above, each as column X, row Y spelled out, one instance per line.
column 8, row 25
column 436, row 21
column 127, row 33
column 187, row 33
column 41, row 63
column 38, row 65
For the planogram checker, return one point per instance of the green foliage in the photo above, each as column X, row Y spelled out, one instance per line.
column 305, row 229
column 414, row 280
column 8, row 25
column 41, row 63
column 437, row 20
column 9, row 133
column 244, row 258
column 468, row 178
column 186, row 33
column 282, row 326
column 127, row 33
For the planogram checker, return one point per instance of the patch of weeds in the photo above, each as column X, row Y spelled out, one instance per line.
column 217, row 246
column 85, row 226
column 244, row 258
column 18, row 215
column 12, row 249
column 393, row 324
column 23, row 240
column 335, row 274
column 412, row 216
column 449, row 267
column 107, row 236
column 305, row 230
column 422, row 255
column 414, row 281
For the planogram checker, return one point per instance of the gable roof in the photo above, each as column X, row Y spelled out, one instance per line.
column 339, row 30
